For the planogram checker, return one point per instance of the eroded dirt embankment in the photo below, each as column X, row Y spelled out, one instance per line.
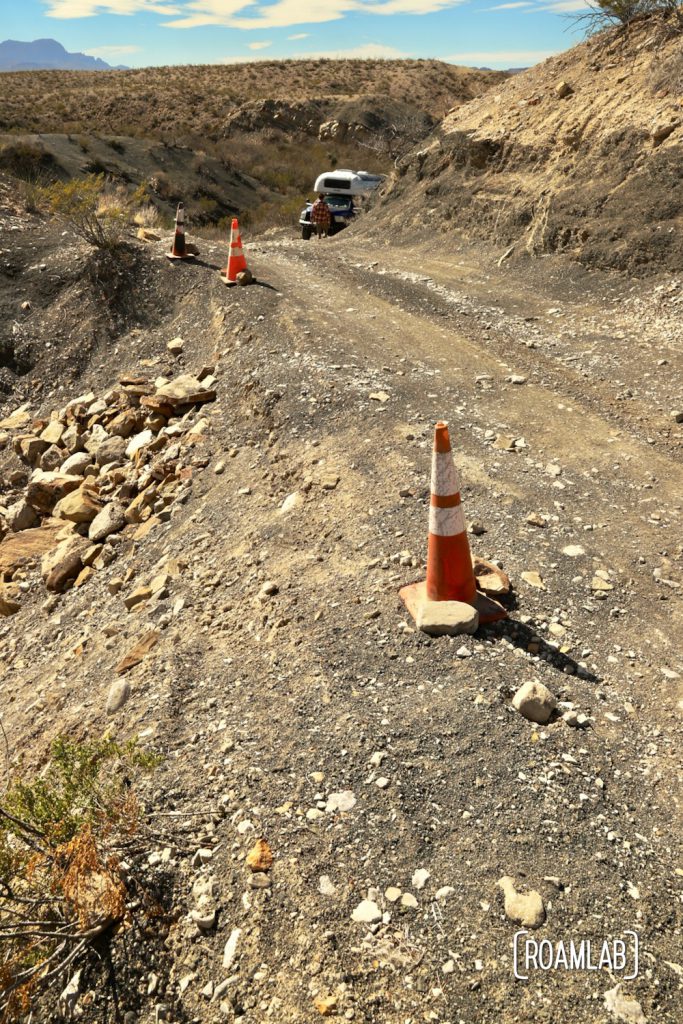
column 581, row 155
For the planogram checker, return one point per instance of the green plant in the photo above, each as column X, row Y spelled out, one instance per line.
column 93, row 215
column 60, row 884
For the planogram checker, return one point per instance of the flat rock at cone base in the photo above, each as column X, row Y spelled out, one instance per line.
column 535, row 702
column 447, row 618
column 415, row 594
column 525, row 908
column 490, row 579
column 185, row 390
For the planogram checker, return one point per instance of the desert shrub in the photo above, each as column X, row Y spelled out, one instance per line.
column 624, row 12
column 96, row 211
column 26, row 160
column 60, row 883
column 147, row 216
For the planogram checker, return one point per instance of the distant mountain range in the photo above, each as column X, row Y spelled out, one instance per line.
column 47, row 54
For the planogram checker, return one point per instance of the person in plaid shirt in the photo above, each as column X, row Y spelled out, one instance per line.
column 321, row 216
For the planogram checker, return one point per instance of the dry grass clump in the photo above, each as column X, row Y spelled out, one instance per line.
column 61, row 836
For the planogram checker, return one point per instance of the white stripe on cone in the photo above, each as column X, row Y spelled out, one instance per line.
column 444, row 474
column 446, row 522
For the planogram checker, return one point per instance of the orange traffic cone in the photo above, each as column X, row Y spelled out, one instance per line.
column 179, row 250
column 450, row 575
column 236, row 261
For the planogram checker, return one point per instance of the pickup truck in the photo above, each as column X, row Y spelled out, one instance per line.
column 339, row 188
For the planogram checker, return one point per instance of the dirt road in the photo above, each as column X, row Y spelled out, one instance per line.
column 266, row 708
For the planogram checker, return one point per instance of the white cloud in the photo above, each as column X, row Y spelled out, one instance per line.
column 245, row 14
column 565, row 6
column 283, row 13
column 112, row 51
column 300, row 35
column 511, row 7
column 87, row 8
column 368, row 51
column 500, row 58
column 260, row 46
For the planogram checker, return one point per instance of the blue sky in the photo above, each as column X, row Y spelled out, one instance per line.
column 492, row 33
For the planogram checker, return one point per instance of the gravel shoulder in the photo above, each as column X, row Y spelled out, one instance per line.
column 268, row 702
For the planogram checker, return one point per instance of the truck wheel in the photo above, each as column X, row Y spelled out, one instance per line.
column 306, row 232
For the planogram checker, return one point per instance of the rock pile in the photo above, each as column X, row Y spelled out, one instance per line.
column 98, row 467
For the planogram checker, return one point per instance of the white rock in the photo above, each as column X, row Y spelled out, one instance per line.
column 408, row 900
column 326, row 886
column 420, row 878
column 204, row 919
column 573, row 551
column 77, row 463
column 535, row 702
column 444, row 892
column 525, row 908
column 119, row 691
column 367, row 912
column 230, row 949
column 628, row 1010
column 110, row 520
column 292, row 502
column 137, row 442
column 343, row 801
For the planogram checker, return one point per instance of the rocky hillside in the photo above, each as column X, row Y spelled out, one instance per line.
column 195, row 102
column 248, row 138
column 580, row 154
